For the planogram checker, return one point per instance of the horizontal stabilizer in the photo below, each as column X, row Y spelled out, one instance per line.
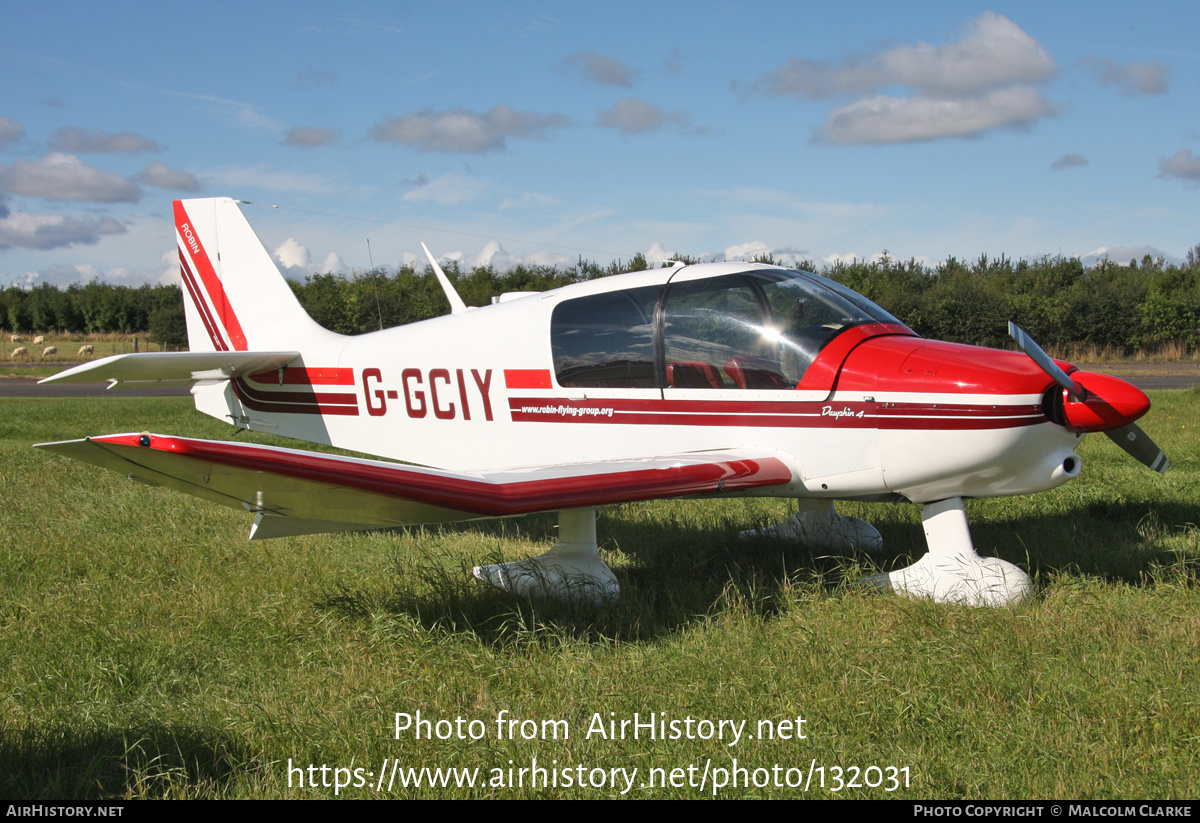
column 344, row 493
column 173, row 367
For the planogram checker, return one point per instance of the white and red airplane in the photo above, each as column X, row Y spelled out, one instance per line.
column 712, row 380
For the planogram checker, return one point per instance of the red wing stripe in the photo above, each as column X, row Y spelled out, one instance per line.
column 483, row 497
column 208, row 276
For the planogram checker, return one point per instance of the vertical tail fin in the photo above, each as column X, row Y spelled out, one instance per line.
column 235, row 297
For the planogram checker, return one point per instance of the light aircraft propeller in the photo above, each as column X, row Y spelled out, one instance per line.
column 1093, row 402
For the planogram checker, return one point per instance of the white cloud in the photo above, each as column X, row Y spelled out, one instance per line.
column 64, row 274
column 295, row 261
column 782, row 255
column 744, row 251
column 599, row 68
column 97, row 141
column 10, row 131
column 548, row 258
column 995, row 53
column 291, row 253
column 818, row 80
column 1130, row 79
column 632, row 116
column 658, row 254
column 61, row 275
column 494, row 255
column 66, row 177
column 907, row 119
column 445, row 190
column 1181, row 165
column 333, row 262
column 1068, row 161
column 162, row 176
column 311, row 137
column 959, row 89
column 461, row 130
column 488, row 255
column 1121, row 255
column 54, row 231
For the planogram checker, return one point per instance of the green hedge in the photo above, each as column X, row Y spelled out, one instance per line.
column 1125, row 307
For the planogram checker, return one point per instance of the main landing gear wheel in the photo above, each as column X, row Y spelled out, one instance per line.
column 571, row 571
column 818, row 526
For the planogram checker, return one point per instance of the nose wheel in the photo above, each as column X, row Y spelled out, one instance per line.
column 952, row 571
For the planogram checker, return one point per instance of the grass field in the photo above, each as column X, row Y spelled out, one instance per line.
column 148, row 650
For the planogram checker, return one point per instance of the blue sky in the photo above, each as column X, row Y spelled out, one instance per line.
column 502, row 132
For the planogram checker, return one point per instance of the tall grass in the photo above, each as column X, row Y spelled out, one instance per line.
column 148, row 650
column 1169, row 352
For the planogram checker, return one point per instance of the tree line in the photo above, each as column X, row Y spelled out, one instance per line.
column 91, row 308
column 1138, row 306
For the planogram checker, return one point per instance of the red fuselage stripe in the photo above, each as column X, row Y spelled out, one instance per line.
column 296, row 402
column 801, row 414
column 527, row 378
column 306, row 377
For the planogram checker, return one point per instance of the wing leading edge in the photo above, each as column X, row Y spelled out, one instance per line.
column 299, row 492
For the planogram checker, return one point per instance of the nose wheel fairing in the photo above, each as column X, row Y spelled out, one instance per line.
column 952, row 571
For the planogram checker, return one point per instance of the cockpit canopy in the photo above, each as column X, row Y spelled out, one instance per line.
column 757, row 329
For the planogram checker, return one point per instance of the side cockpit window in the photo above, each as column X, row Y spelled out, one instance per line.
column 755, row 330
column 606, row 340
column 716, row 337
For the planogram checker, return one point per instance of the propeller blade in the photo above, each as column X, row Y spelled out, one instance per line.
column 1025, row 343
column 1139, row 446
column 1129, row 437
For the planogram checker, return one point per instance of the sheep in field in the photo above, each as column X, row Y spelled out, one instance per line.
column 19, row 352
column 39, row 340
column 85, row 349
column 49, row 350
column 16, row 338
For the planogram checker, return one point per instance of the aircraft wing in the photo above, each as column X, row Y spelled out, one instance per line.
column 298, row 492
column 182, row 368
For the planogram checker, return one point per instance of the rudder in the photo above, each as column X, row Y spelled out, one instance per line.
column 236, row 298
